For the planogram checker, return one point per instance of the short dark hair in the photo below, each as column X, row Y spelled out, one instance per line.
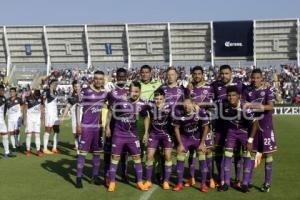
column 13, row 89
column 75, row 82
column 135, row 84
column 232, row 89
column 146, row 67
column 121, row 70
column 256, row 71
column 159, row 92
column 225, row 67
column 171, row 68
column 197, row 68
column 99, row 72
column 2, row 86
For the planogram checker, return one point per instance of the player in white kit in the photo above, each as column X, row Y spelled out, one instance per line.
column 73, row 104
column 33, row 107
column 3, row 128
column 14, row 106
column 50, row 96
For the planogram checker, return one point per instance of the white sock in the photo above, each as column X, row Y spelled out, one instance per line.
column 5, row 144
column 13, row 141
column 55, row 140
column 18, row 139
column 37, row 142
column 28, row 142
column 46, row 140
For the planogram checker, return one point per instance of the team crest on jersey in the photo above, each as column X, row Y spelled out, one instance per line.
column 16, row 101
column 205, row 92
column 219, row 88
column 197, row 118
column 250, row 94
column 39, row 100
column 3, row 99
column 262, row 93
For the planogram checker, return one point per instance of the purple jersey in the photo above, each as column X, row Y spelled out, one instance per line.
column 117, row 93
column 220, row 89
column 191, row 124
column 201, row 94
column 237, row 118
column 173, row 94
column 160, row 119
column 92, row 102
column 125, row 114
column 261, row 96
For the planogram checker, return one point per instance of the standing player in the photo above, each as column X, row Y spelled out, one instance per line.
column 160, row 117
column 73, row 104
column 220, row 87
column 3, row 128
column 260, row 98
column 118, row 90
column 14, row 106
column 124, row 113
column 33, row 104
column 239, row 123
column 93, row 99
column 51, row 116
column 191, row 130
column 202, row 94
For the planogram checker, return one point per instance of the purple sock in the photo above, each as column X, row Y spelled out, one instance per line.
column 252, row 168
column 192, row 163
column 227, row 169
column 138, row 171
column 203, row 170
column 209, row 163
column 268, row 172
column 112, row 171
column 247, row 171
column 80, row 165
column 180, row 171
column 222, row 173
column 238, row 161
column 167, row 174
column 220, row 165
column 96, row 164
column 149, row 171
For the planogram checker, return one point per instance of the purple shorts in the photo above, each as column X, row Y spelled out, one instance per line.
column 264, row 141
column 132, row 145
column 91, row 140
column 234, row 138
column 155, row 140
column 219, row 139
column 190, row 143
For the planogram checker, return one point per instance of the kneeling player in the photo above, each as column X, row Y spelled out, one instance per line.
column 191, row 130
column 159, row 115
column 33, row 121
column 124, row 113
column 239, row 123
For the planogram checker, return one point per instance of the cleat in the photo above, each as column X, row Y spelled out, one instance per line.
column 212, row 183
column 9, row 155
column 39, row 153
column 236, row 184
column 190, row 182
column 148, row 184
column 178, row 187
column 14, row 150
column 95, row 180
column 141, row 186
column 223, row 188
column 78, row 183
column 203, row 188
column 27, row 153
column 166, row 185
column 55, row 151
column 244, row 188
column 111, row 187
column 47, row 152
column 106, row 180
column 265, row 188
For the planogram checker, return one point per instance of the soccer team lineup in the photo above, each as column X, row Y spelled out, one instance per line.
column 224, row 126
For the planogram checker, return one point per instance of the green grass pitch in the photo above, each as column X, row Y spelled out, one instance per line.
column 52, row 177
